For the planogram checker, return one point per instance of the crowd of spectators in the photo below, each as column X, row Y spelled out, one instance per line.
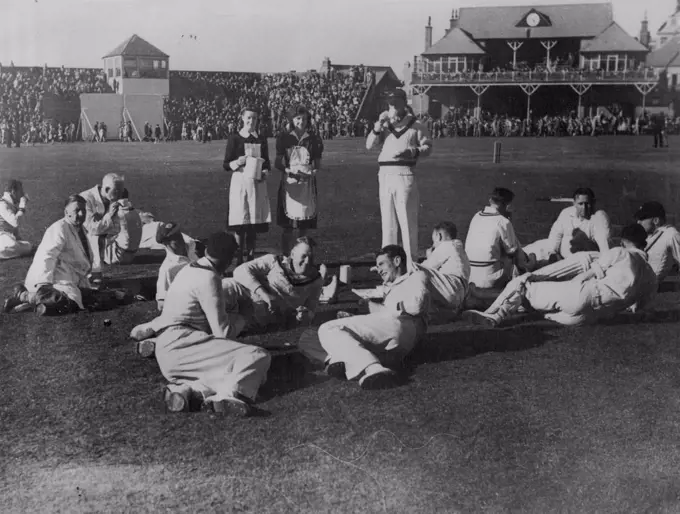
column 215, row 100
column 23, row 91
column 206, row 105
column 463, row 123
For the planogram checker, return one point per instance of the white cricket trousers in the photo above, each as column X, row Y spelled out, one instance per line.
column 11, row 247
column 360, row 340
column 568, row 268
column 211, row 365
column 399, row 206
column 567, row 303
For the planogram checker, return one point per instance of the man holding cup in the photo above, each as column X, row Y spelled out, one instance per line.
column 405, row 141
column 114, row 227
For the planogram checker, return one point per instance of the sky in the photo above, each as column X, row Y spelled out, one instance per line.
column 249, row 35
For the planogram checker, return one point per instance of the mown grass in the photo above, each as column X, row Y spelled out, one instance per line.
column 531, row 418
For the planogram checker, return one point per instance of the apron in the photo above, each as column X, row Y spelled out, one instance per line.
column 248, row 199
column 300, row 196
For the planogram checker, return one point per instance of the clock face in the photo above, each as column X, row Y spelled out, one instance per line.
column 533, row 19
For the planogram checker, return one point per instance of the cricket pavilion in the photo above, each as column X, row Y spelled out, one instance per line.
column 528, row 61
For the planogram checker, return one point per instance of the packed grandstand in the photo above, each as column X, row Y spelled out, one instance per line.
column 208, row 104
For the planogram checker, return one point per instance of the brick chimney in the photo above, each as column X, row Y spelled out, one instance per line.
column 455, row 16
column 428, row 33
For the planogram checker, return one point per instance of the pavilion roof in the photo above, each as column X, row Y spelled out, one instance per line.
column 613, row 38
column 138, row 47
column 456, row 41
column 560, row 21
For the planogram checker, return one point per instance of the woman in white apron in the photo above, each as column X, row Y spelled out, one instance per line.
column 247, row 156
column 298, row 156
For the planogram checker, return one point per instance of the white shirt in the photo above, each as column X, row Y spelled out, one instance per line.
column 623, row 278
column 167, row 272
column 663, row 250
column 490, row 237
column 408, row 293
column 9, row 221
column 267, row 272
column 597, row 229
column 195, row 300
column 449, row 258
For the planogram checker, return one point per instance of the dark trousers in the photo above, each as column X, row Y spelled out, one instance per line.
column 57, row 303
column 659, row 139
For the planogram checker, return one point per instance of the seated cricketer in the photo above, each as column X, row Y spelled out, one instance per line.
column 364, row 347
column 193, row 348
column 150, row 229
column 269, row 291
column 662, row 248
column 112, row 223
column 176, row 257
column 277, row 290
column 57, row 281
column 447, row 268
column 12, row 209
column 663, row 240
column 492, row 246
column 579, row 228
column 619, row 279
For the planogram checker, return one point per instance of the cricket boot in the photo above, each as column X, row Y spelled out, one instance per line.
column 492, row 318
column 377, row 376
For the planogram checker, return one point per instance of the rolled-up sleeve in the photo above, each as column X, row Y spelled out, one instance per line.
column 250, row 274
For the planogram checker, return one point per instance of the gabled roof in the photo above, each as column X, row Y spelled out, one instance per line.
column 613, row 38
column 138, row 47
column 456, row 41
column 389, row 77
column 568, row 20
column 667, row 55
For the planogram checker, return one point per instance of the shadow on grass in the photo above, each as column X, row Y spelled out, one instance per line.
column 287, row 373
column 448, row 346
column 657, row 317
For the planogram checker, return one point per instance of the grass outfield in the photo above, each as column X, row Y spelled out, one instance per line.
column 530, row 418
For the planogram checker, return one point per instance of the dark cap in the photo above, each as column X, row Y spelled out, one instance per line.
column 396, row 93
column 650, row 210
column 166, row 232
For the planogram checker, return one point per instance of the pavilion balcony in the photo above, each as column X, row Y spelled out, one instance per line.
column 564, row 76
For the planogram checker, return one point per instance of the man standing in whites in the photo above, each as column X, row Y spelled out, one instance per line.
column 405, row 141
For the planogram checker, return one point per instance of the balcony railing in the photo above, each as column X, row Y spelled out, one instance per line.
column 565, row 76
